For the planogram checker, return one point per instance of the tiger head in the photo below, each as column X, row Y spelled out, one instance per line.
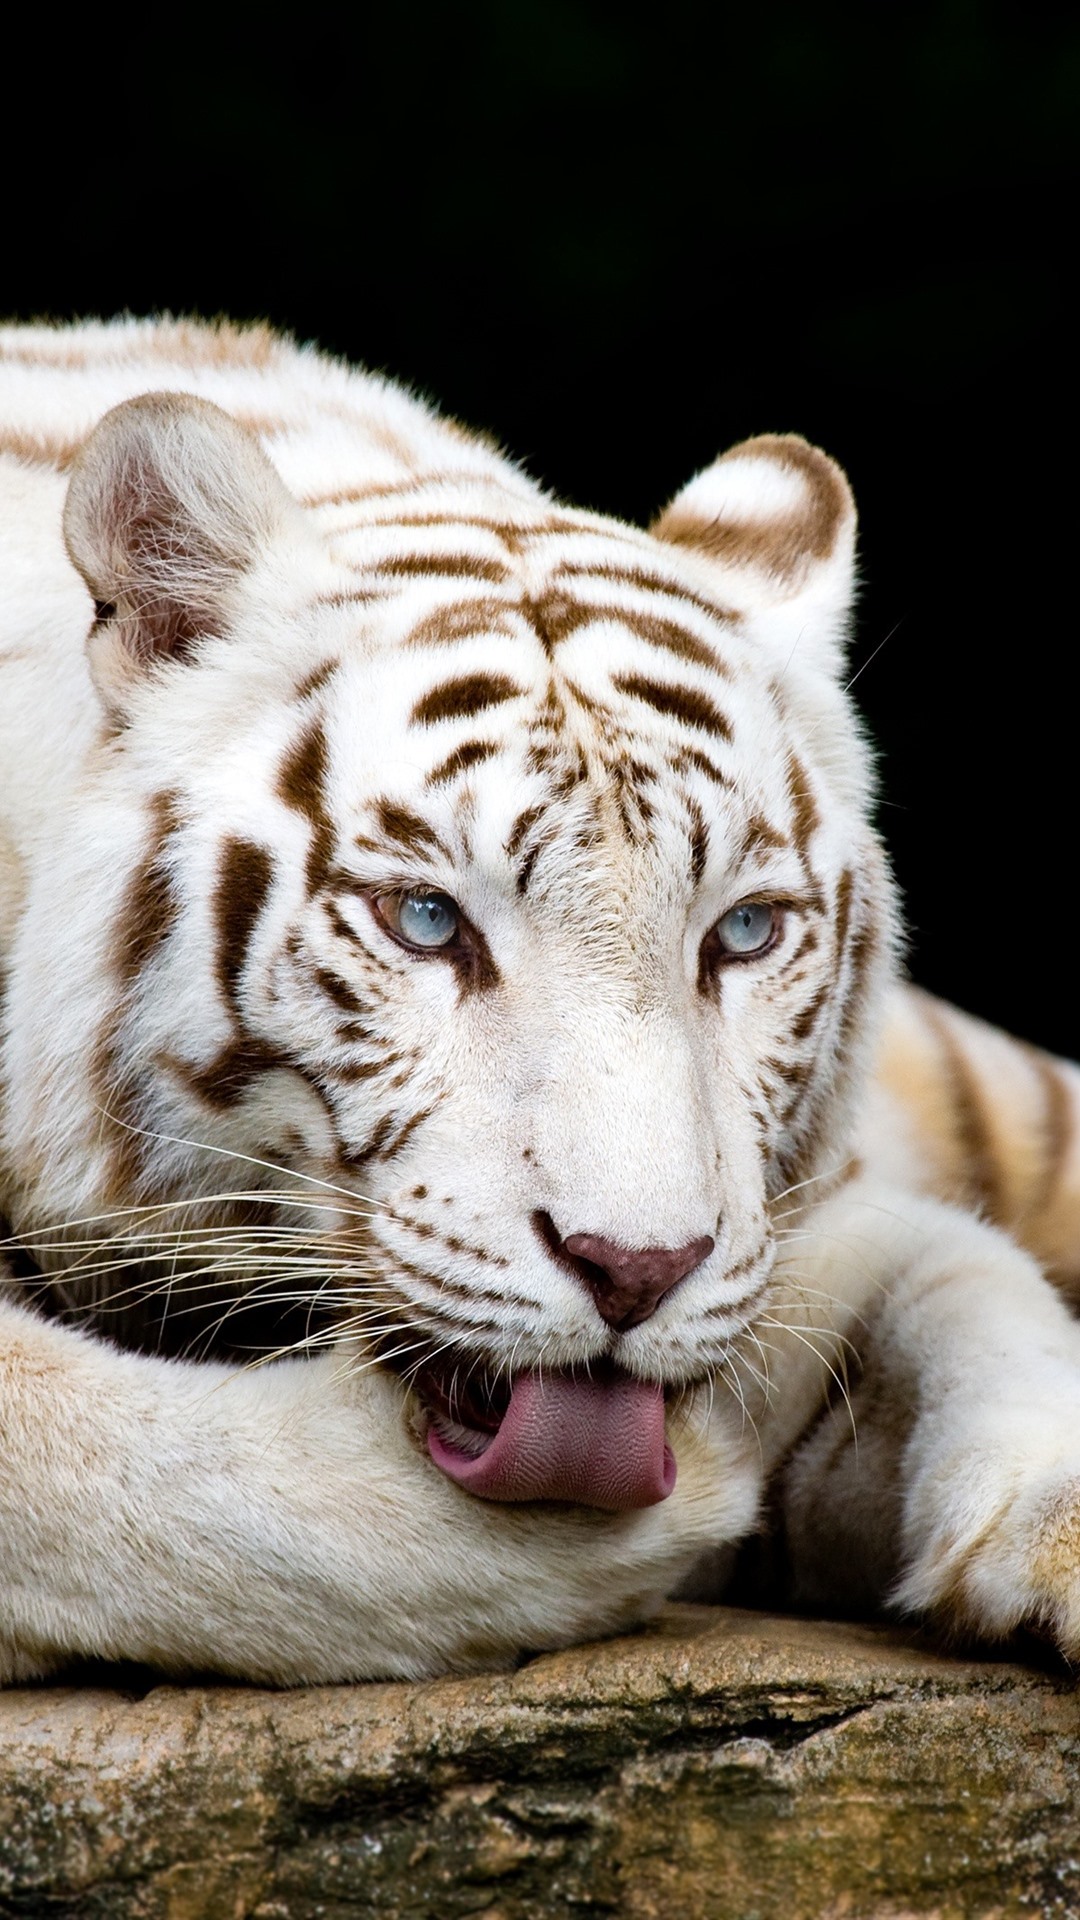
column 490, row 881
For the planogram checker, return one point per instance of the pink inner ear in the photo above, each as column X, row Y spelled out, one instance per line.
column 164, row 630
column 169, row 502
column 159, row 559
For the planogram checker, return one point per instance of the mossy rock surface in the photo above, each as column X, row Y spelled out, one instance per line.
column 725, row 1766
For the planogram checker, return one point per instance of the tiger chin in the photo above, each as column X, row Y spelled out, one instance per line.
column 466, row 1148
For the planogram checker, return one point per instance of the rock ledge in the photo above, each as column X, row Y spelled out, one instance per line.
column 725, row 1764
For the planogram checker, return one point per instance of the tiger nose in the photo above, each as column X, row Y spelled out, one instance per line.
column 627, row 1283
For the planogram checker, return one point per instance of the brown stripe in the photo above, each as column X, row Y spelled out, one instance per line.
column 803, row 805
column 760, row 836
column 340, row 880
column 340, row 925
column 406, row 829
column 340, row 597
column 687, row 757
column 791, row 1073
column 699, row 843
column 462, row 621
column 971, row 1124
column 666, row 634
column 800, row 1159
column 143, row 924
column 509, row 532
column 395, row 1145
column 442, row 565
column 302, row 786
column 381, row 490
column 264, row 426
column 227, row 1077
column 723, row 1311
column 151, row 906
column 244, row 880
column 40, row 449
column 301, row 782
column 803, row 1024
column 636, row 811
column 1056, row 1127
column 863, row 951
column 554, row 618
column 806, row 945
column 473, row 962
column 586, row 701
column 349, row 1071
column 677, row 703
column 361, row 1156
column 525, row 870
column 461, row 699
column 424, row 1230
column 471, row 754
column 646, row 581
column 354, row 1033
column 710, row 966
column 522, row 825
column 844, row 888
column 316, row 679
column 182, row 342
column 484, row 1254
column 338, row 990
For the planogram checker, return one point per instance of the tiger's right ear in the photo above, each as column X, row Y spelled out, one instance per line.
column 170, row 503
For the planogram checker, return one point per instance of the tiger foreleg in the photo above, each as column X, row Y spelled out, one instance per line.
column 943, row 1477
column 188, row 1517
column 283, row 1523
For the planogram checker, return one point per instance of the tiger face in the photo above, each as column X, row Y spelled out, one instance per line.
column 492, row 884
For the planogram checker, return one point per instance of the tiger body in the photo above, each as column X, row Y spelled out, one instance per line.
column 377, row 839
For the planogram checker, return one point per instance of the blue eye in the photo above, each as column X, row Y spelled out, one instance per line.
column 748, row 929
column 422, row 920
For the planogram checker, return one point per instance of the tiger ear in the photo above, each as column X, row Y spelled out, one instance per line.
column 775, row 519
column 170, row 503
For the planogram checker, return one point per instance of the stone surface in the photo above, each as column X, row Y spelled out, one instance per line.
column 726, row 1766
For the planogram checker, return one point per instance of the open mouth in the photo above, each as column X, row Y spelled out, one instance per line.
column 594, row 1438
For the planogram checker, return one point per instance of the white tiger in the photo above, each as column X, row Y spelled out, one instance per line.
column 441, row 934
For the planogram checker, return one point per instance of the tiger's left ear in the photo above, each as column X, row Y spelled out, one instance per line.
column 774, row 521
column 171, row 502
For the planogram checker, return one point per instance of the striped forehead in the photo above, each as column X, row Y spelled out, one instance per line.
column 460, row 619
column 523, row 755
column 542, row 659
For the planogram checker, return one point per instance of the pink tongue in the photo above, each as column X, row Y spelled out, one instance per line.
column 597, row 1442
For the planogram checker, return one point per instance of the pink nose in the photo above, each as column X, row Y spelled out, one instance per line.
column 627, row 1283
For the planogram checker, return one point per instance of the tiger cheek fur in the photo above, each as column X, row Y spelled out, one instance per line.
column 463, row 928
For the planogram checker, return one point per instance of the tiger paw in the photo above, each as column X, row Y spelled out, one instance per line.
column 1013, row 1565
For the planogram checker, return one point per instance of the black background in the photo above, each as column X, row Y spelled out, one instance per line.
column 623, row 244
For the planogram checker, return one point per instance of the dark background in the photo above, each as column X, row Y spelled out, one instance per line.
column 622, row 246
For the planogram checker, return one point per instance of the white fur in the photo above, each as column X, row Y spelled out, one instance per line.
column 285, row 1522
